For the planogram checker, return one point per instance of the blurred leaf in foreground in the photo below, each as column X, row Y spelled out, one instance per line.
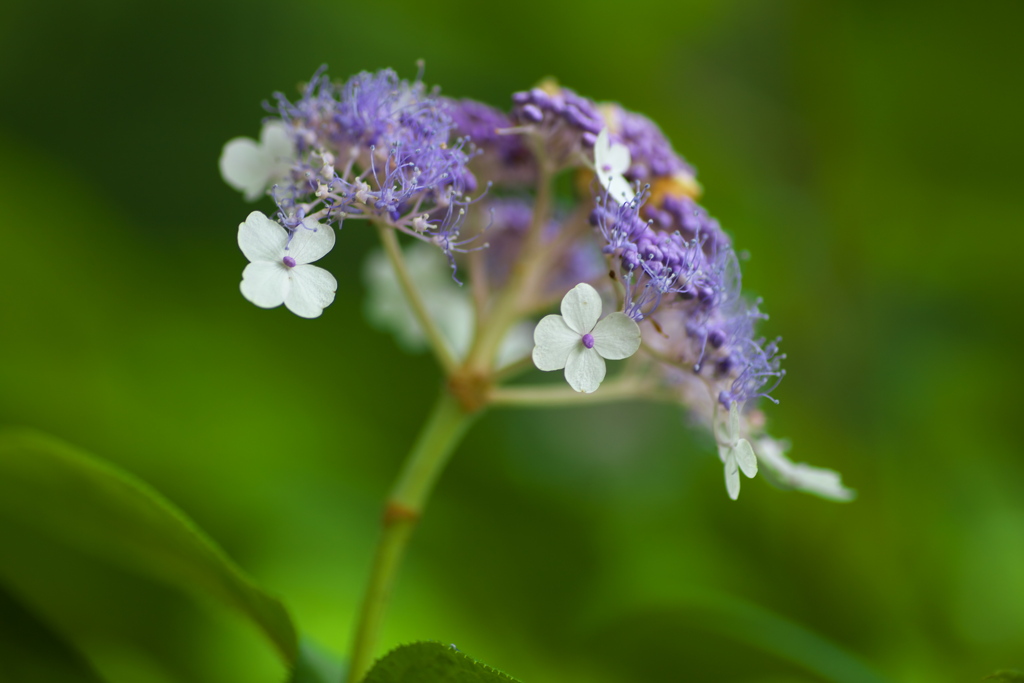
column 432, row 663
column 30, row 651
column 1006, row 676
column 59, row 506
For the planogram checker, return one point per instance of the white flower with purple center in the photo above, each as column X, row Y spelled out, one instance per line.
column 736, row 453
column 611, row 161
column 579, row 343
column 250, row 167
column 279, row 270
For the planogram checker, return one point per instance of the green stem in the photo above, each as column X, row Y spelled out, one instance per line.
column 444, row 429
column 555, row 396
column 437, row 341
column 521, row 283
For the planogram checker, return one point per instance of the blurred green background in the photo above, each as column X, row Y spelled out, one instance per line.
column 867, row 154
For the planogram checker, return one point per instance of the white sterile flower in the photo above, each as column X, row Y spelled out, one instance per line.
column 579, row 343
column 610, row 162
column 736, row 454
column 251, row 167
column 782, row 471
column 448, row 304
column 279, row 272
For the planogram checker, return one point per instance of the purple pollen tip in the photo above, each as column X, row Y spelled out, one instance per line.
column 288, row 261
column 588, row 340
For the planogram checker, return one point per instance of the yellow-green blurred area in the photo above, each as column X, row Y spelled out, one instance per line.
column 866, row 154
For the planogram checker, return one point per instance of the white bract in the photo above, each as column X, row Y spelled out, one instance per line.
column 610, row 162
column 579, row 343
column 797, row 475
column 279, row 272
column 251, row 167
column 736, row 453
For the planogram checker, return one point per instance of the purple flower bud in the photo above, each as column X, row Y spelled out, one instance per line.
column 588, row 340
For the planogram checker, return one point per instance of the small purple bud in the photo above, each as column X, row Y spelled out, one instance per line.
column 716, row 338
column 288, row 261
column 532, row 113
column 588, row 340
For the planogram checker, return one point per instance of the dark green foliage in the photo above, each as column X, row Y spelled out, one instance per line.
column 64, row 513
column 432, row 663
column 31, row 651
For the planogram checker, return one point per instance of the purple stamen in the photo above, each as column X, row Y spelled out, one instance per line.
column 288, row 261
column 588, row 340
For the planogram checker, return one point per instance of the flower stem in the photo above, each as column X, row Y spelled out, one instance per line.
column 444, row 429
column 437, row 341
column 556, row 396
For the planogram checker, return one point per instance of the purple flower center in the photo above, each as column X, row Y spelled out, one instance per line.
column 288, row 261
column 588, row 340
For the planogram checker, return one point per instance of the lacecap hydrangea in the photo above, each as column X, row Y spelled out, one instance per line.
column 639, row 272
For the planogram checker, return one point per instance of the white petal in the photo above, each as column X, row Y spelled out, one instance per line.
column 734, row 422
column 243, row 166
column 610, row 162
column 616, row 337
column 310, row 241
column 517, row 345
column 619, row 188
column 261, row 239
column 581, row 307
column 803, row 477
column 265, row 284
column 584, row 369
column 732, row 476
column 554, row 341
column 277, row 143
column 312, row 290
column 745, row 457
column 610, row 158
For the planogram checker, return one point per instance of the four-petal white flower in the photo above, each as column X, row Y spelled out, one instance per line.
column 279, row 272
column 610, row 162
column 579, row 343
column 250, row 166
column 736, row 454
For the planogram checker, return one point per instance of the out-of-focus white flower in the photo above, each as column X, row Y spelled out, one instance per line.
column 611, row 160
column 781, row 471
column 736, row 453
column 448, row 304
column 279, row 272
column 579, row 343
column 251, row 167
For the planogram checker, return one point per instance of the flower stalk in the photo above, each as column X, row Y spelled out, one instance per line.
column 441, row 434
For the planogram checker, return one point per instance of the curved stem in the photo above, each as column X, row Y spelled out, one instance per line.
column 551, row 396
column 521, row 282
column 442, row 432
column 437, row 341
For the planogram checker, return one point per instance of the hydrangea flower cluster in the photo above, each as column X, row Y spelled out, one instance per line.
column 479, row 184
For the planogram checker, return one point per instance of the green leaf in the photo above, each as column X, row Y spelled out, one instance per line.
column 30, row 651
column 58, row 498
column 1006, row 676
column 316, row 665
column 432, row 663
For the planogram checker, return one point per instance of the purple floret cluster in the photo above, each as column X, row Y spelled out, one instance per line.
column 679, row 271
column 397, row 153
column 376, row 147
